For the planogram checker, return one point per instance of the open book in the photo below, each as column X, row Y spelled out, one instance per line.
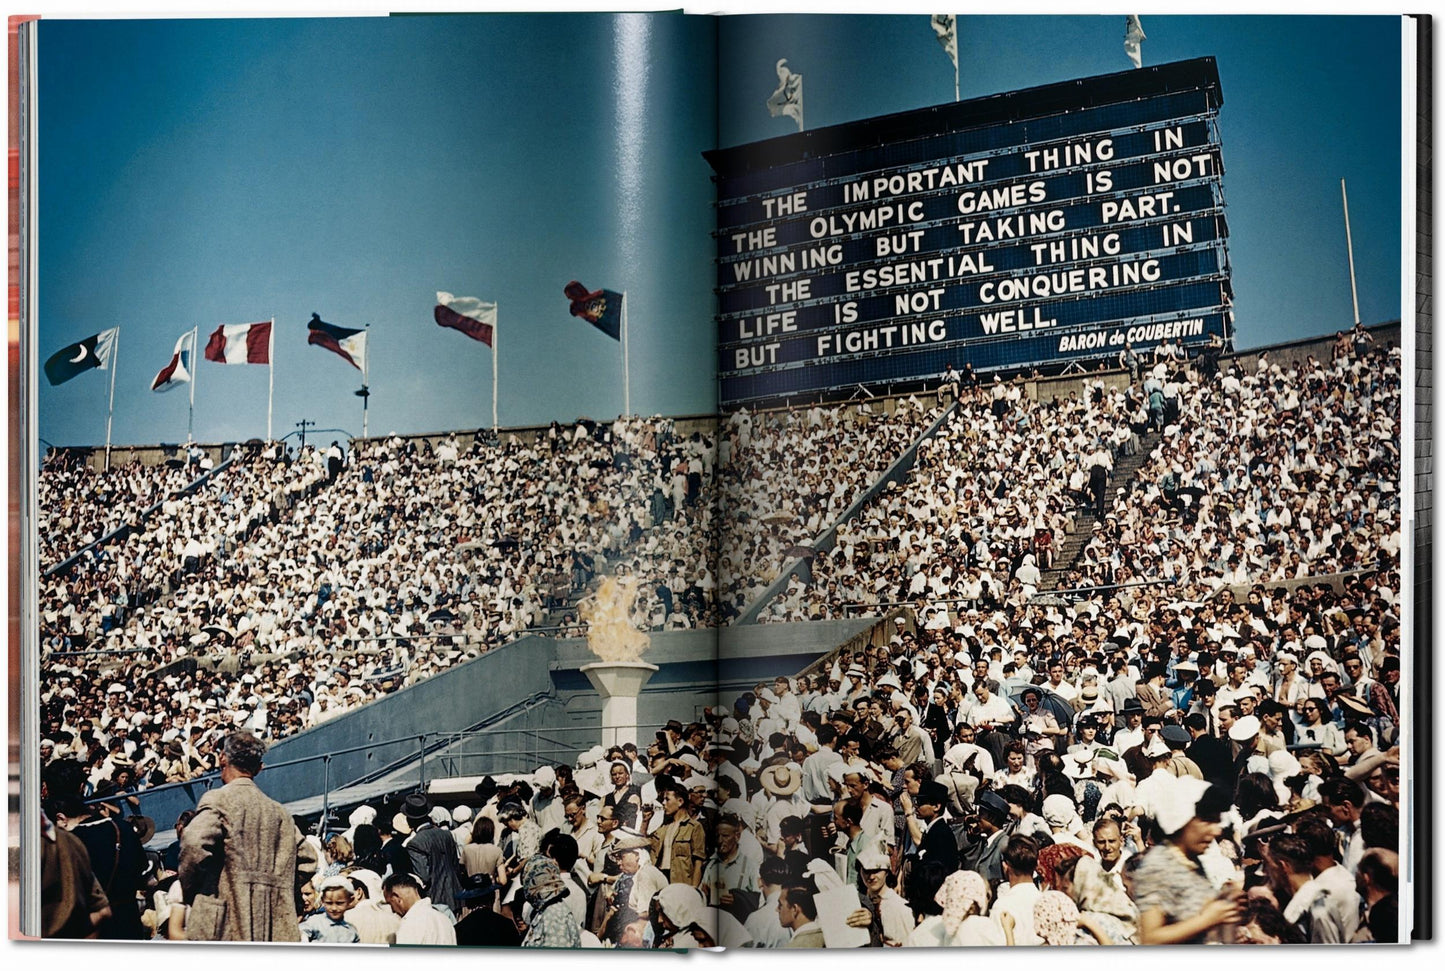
column 992, row 520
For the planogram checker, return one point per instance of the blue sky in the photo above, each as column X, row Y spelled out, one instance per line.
column 208, row 171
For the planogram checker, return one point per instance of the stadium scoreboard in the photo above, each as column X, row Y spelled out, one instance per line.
column 1026, row 229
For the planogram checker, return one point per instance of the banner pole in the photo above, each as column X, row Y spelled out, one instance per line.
column 626, row 371
column 1350, row 248
column 271, row 376
column 110, row 405
column 195, row 371
column 497, row 316
column 366, row 382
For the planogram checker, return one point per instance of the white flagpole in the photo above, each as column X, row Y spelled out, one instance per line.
column 366, row 382
column 191, row 417
column 1350, row 248
column 271, row 376
column 496, row 326
column 626, row 372
column 110, row 406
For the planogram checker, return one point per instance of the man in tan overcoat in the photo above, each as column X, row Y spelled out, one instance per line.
column 238, row 856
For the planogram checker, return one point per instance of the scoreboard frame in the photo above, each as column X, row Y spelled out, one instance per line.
column 1034, row 229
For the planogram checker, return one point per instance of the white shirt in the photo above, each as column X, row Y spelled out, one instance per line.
column 1017, row 900
column 424, row 924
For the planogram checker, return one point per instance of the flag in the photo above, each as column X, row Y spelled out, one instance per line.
column 77, row 358
column 1133, row 34
column 240, row 344
column 945, row 27
column 345, row 341
column 600, row 308
column 467, row 314
column 178, row 371
column 788, row 99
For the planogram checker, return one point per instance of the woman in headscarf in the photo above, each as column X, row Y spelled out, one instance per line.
column 1178, row 903
column 964, row 901
column 551, row 922
column 682, row 914
column 1058, row 924
column 1056, row 865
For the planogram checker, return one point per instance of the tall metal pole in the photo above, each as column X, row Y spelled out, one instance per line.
column 366, row 381
column 271, row 378
column 626, row 372
column 191, row 417
column 1350, row 246
column 110, row 406
column 496, row 321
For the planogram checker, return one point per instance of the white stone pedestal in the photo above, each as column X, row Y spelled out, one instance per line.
column 619, row 683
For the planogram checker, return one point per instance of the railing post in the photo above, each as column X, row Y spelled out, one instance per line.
column 421, row 759
column 325, row 794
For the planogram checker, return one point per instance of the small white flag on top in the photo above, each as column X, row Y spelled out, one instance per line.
column 945, row 28
column 1133, row 35
column 788, row 99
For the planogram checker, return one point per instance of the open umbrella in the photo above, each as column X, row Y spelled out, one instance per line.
column 1049, row 701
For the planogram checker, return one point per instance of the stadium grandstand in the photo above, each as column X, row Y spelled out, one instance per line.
column 962, row 596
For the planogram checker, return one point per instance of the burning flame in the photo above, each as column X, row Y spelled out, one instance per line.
column 608, row 613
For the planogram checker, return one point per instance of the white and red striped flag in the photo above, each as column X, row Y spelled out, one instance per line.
column 240, row 344
column 178, row 371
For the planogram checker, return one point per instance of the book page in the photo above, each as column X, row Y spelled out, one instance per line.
column 1071, row 356
column 376, row 409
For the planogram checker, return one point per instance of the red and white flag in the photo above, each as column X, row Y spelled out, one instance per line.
column 469, row 315
column 178, row 371
column 240, row 344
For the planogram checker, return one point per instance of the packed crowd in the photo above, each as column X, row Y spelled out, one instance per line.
column 1121, row 772
column 1267, row 474
column 117, row 596
column 788, row 476
column 80, row 504
column 273, row 595
column 981, row 512
column 1206, row 752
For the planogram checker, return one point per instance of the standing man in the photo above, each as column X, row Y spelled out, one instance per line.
column 433, row 851
column 238, row 856
column 679, row 845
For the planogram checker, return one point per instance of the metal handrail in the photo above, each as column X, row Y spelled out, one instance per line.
column 208, row 779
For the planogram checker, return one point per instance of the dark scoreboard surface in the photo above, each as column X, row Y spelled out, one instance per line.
column 1028, row 228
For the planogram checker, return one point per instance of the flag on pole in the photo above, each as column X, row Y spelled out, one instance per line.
column 1133, row 35
column 77, row 358
column 348, row 342
column 788, row 99
column 178, row 371
column 600, row 308
column 945, row 28
column 469, row 315
column 240, row 344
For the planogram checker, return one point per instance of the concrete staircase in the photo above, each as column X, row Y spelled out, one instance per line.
column 1084, row 519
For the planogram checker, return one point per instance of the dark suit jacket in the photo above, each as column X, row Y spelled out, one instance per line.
column 940, row 846
column 985, row 857
column 1213, row 757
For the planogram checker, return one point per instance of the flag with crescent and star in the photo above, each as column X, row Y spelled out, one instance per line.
column 82, row 356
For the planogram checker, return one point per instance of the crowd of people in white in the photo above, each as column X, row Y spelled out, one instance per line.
column 1201, row 745
column 1268, row 474
column 788, row 476
column 985, row 505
